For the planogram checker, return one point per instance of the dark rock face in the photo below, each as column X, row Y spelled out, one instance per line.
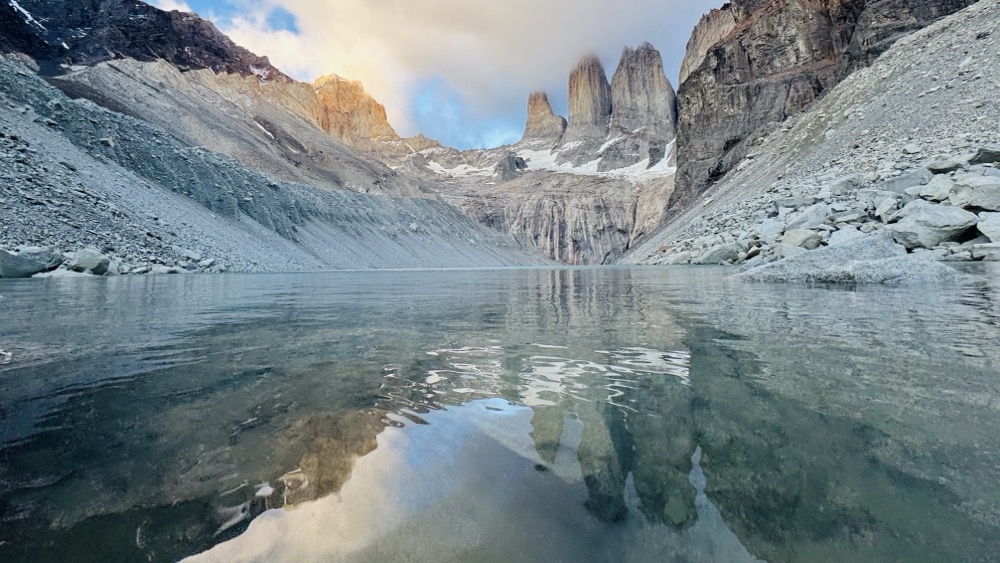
column 542, row 123
column 641, row 96
column 589, row 101
column 885, row 21
column 91, row 31
column 779, row 57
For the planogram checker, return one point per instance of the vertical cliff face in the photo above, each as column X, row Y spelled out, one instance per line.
column 641, row 95
column 589, row 101
column 542, row 123
column 712, row 28
column 349, row 114
column 779, row 56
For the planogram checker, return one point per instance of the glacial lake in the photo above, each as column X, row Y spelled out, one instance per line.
column 618, row 414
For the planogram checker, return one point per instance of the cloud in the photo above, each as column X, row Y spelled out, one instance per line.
column 170, row 5
column 481, row 57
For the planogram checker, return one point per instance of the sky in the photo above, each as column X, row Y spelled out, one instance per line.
column 458, row 71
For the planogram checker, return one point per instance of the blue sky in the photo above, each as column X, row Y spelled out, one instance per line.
column 459, row 71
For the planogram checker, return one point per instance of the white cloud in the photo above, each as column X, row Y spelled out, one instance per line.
column 490, row 54
column 169, row 5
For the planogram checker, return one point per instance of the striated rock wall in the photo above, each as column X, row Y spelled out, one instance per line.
column 589, row 101
column 542, row 123
column 780, row 56
column 572, row 219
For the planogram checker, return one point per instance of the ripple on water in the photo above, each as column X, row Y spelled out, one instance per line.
column 546, row 379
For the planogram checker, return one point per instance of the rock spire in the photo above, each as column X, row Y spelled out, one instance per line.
column 589, row 101
column 542, row 123
column 641, row 95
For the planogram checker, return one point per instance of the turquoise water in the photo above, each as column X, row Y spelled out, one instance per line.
column 508, row 415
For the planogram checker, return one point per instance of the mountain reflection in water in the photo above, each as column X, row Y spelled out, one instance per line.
column 567, row 414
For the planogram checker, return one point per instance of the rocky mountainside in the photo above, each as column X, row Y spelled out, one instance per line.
column 168, row 148
column 583, row 191
column 770, row 61
column 84, row 32
column 908, row 148
column 81, row 178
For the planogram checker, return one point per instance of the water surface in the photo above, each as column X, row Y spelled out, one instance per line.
column 529, row 415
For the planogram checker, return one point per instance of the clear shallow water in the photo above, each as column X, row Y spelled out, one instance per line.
column 530, row 415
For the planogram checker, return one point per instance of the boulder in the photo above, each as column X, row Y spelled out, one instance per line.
column 988, row 154
column 926, row 225
column 90, row 260
column 869, row 198
column 770, row 229
column 983, row 251
column 944, row 165
column 781, row 251
column 844, row 185
column 810, row 218
column 18, row 266
column 885, row 207
column 938, row 189
column 899, row 184
column 802, row 238
column 793, row 202
column 49, row 255
column 981, row 192
column 683, row 257
column 845, row 235
column 989, row 225
column 871, row 260
column 726, row 252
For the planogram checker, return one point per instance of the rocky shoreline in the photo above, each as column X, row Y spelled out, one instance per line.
column 947, row 209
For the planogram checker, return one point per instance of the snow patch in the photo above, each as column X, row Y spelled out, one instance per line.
column 28, row 18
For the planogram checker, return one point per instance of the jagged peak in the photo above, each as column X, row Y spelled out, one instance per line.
column 331, row 78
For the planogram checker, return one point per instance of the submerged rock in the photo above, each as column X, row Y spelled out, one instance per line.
column 872, row 260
